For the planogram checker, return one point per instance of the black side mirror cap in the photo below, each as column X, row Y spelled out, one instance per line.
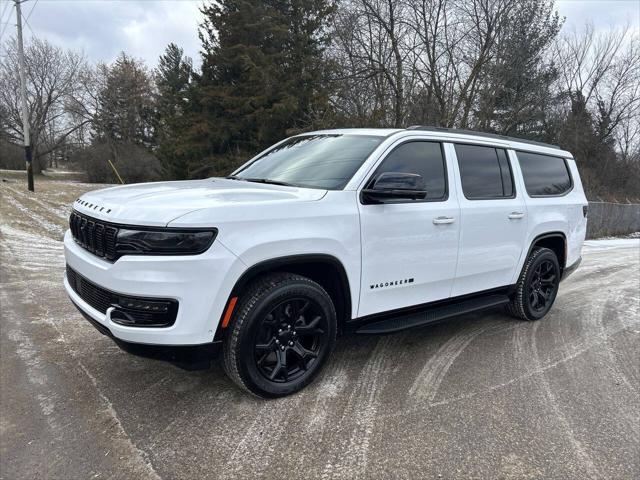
column 395, row 186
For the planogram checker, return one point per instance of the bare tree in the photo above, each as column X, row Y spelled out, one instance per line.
column 604, row 68
column 418, row 60
column 53, row 83
column 370, row 46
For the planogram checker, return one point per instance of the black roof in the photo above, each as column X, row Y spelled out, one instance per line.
column 496, row 136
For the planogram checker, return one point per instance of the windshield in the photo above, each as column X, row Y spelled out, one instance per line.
column 316, row 161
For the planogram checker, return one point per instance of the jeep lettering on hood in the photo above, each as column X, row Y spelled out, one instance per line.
column 157, row 204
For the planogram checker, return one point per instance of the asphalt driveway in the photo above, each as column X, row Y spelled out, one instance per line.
column 482, row 396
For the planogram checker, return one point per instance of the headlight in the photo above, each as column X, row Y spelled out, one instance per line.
column 163, row 242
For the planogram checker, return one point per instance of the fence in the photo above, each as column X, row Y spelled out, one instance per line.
column 609, row 219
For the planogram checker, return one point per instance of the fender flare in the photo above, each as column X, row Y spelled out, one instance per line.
column 280, row 264
column 543, row 236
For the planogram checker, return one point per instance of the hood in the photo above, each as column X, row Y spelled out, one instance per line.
column 156, row 204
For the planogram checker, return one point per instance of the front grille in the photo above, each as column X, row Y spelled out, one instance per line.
column 96, row 236
column 129, row 310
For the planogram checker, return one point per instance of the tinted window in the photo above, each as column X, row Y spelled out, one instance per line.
column 320, row 161
column 485, row 172
column 543, row 174
column 423, row 158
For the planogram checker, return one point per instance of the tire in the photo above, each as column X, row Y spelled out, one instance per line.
column 275, row 345
column 538, row 283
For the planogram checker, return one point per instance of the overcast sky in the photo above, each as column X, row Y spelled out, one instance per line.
column 143, row 28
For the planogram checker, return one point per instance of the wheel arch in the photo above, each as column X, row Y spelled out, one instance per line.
column 556, row 242
column 327, row 270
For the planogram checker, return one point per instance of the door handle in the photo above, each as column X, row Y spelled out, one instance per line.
column 443, row 220
column 515, row 215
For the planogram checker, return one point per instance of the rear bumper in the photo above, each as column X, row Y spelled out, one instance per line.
column 570, row 269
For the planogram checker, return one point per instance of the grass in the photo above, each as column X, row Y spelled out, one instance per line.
column 43, row 212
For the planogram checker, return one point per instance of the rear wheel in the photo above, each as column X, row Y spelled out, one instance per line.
column 282, row 334
column 537, row 286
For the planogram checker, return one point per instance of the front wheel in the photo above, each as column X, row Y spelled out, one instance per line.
column 537, row 286
column 282, row 334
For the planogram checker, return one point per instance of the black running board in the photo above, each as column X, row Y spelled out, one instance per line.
column 432, row 315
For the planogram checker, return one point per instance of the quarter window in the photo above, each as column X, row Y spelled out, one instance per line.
column 423, row 158
column 485, row 172
column 544, row 175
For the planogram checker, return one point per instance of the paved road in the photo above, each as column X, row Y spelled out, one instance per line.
column 482, row 396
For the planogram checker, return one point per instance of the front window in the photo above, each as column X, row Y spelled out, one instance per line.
column 315, row 161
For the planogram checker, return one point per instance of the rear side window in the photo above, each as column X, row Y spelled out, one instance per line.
column 485, row 172
column 423, row 158
column 544, row 175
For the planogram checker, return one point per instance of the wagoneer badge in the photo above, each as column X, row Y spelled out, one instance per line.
column 392, row 283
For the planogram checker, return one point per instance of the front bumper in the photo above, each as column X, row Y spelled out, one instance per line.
column 187, row 357
column 201, row 285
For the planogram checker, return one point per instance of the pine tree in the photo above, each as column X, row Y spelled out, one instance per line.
column 123, row 130
column 125, row 100
column 173, row 84
column 263, row 77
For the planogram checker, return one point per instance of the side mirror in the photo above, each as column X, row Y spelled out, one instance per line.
column 395, row 186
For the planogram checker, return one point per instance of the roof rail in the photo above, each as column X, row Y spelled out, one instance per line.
column 428, row 128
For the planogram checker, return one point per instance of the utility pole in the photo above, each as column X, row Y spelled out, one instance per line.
column 23, row 95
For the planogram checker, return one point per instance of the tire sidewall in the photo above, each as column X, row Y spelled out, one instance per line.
column 247, row 367
column 542, row 256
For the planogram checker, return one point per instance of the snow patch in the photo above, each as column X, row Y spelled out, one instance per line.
column 607, row 244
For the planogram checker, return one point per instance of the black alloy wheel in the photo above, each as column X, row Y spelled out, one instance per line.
column 537, row 285
column 290, row 339
column 542, row 286
column 281, row 335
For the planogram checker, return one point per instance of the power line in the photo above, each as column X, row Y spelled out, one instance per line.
column 33, row 34
column 26, row 19
column 31, row 11
column 5, row 24
column 4, row 11
column 5, row 8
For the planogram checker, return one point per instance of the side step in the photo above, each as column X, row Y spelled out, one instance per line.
column 432, row 315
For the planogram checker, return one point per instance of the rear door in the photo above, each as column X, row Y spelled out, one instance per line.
column 493, row 218
column 410, row 247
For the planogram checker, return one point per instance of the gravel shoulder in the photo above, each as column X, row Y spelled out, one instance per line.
column 481, row 396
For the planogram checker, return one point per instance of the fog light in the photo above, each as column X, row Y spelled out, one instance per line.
column 144, row 305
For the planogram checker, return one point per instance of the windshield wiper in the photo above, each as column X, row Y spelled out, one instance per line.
column 262, row 180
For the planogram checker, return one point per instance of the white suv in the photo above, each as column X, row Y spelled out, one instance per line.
column 365, row 230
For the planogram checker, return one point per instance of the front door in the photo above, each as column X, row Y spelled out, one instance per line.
column 410, row 247
column 494, row 221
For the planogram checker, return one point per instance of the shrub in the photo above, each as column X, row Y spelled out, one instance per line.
column 134, row 163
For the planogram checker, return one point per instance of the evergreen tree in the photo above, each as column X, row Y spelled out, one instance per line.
column 173, row 84
column 263, row 77
column 123, row 130
column 125, row 103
